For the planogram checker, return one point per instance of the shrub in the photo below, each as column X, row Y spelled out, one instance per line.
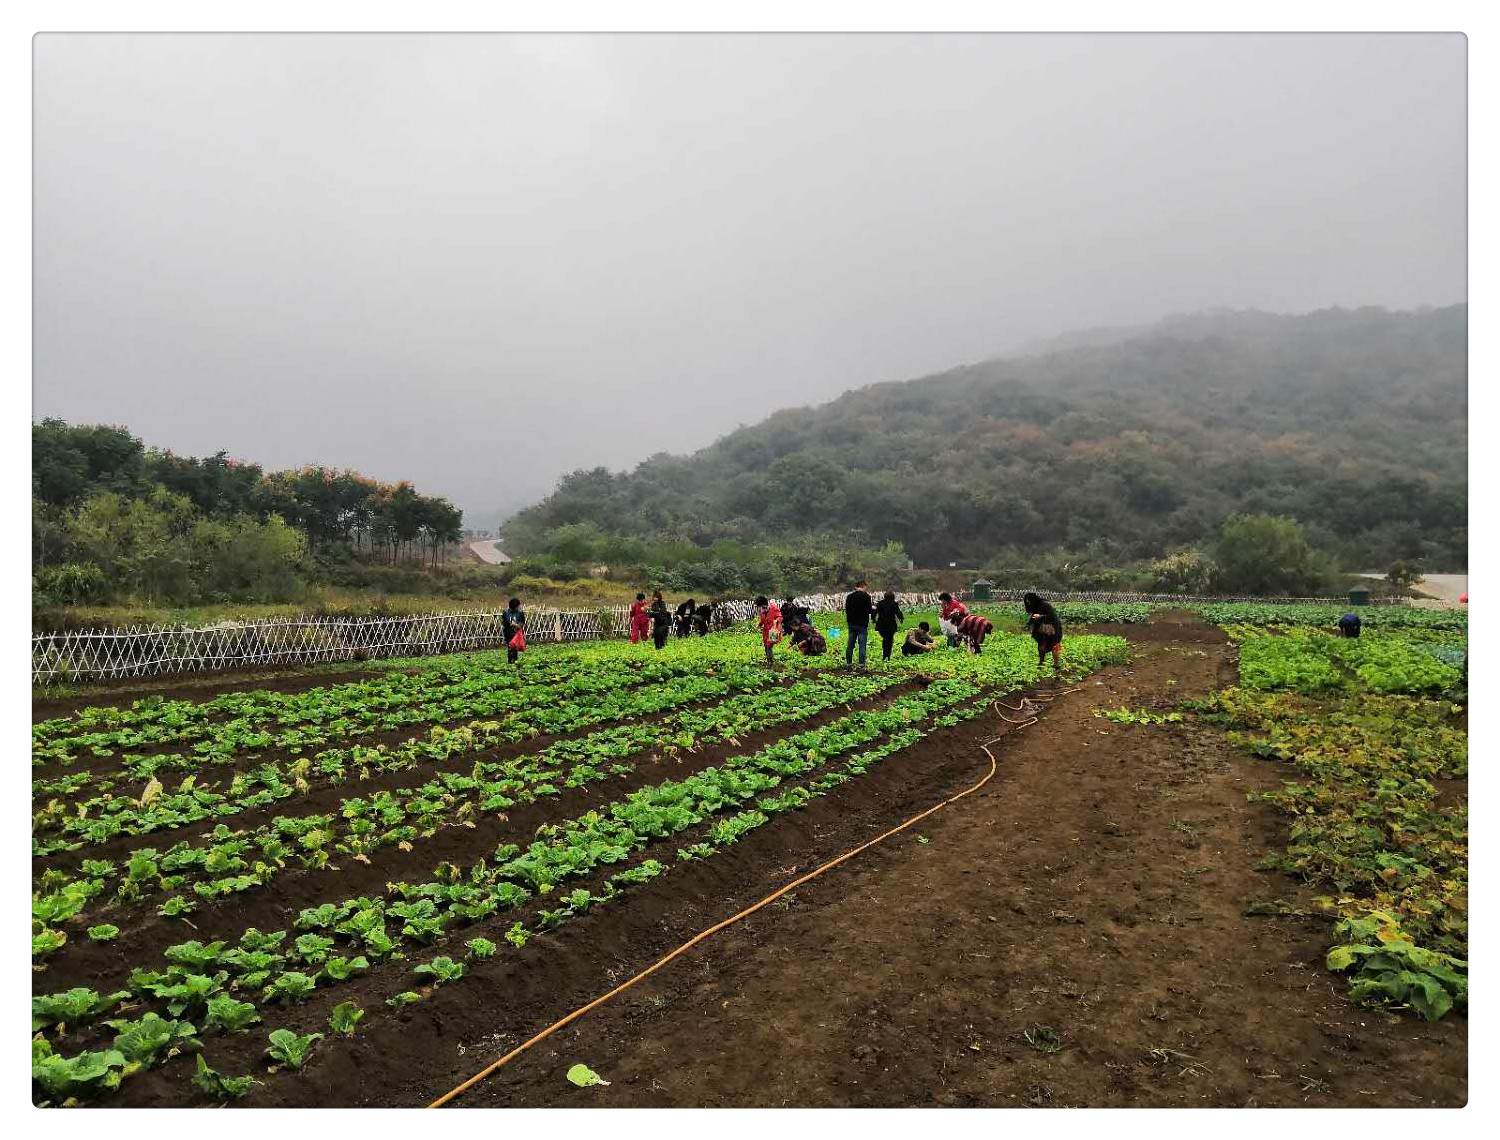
column 1186, row 572
column 1266, row 554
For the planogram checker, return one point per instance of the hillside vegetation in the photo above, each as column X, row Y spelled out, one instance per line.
column 1122, row 445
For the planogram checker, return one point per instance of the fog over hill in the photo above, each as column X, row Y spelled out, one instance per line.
column 1130, row 441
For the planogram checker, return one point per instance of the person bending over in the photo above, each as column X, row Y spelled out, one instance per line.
column 973, row 629
column 808, row 641
column 1046, row 629
column 952, row 612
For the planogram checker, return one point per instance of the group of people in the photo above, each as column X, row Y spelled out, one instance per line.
column 657, row 622
column 959, row 627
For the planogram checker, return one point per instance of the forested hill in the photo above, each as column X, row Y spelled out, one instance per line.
column 1132, row 444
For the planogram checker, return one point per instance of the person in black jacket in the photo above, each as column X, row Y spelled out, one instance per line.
column 684, row 615
column 793, row 615
column 1046, row 628
column 888, row 619
column 857, row 611
column 701, row 617
column 661, row 620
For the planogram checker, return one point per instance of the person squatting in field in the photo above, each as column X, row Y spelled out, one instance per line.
column 1349, row 625
column 770, row 626
column 888, row 619
column 857, row 611
column 512, row 620
column 640, row 620
column 661, row 620
column 701, row 617
column 1046, row 628
column 952, row 612
column 808, row 641
column 918, row 641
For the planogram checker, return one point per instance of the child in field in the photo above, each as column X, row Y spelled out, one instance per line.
column 770, row 626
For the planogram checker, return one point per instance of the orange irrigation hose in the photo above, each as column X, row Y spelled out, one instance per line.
column 712, row 930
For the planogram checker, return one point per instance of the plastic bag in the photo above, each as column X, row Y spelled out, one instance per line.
column 518, row 642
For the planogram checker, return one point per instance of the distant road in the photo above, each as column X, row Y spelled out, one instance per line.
column 485, row 550
column 1446, row 588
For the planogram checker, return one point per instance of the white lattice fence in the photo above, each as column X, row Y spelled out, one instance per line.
column 168, row 650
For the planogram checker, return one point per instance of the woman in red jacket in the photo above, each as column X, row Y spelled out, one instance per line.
column 640, row 621
column 952, row 612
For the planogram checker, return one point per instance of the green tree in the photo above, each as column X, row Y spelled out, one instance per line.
column 69, row 462
column 1266, row 554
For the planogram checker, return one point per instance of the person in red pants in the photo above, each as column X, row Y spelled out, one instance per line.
column 640, row 620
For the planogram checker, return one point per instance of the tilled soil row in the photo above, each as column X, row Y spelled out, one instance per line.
column 144, row 933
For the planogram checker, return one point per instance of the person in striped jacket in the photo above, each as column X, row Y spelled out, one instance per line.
column 974, row 629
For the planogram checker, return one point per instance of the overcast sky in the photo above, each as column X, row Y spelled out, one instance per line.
column 481, row 261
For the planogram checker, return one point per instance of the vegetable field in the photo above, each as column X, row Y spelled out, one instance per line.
column 1375, row 733
column 232, row 893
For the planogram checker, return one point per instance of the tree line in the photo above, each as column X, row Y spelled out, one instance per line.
column 115, row 520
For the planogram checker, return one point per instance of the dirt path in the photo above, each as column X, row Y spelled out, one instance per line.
column 1095, row 888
